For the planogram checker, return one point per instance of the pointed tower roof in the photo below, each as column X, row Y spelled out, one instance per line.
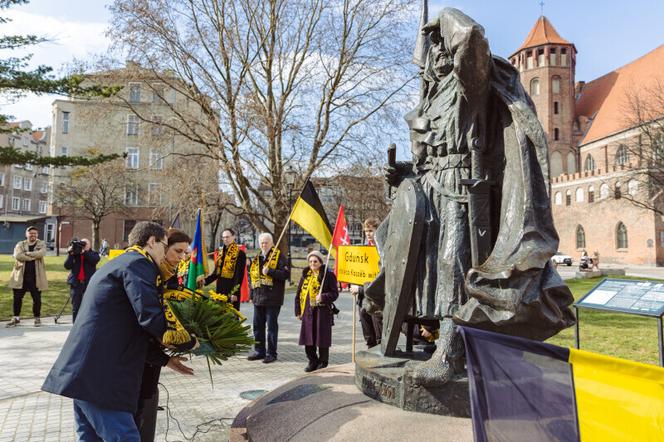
column 542, row 33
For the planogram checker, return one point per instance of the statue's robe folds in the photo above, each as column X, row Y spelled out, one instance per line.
column 516, row 290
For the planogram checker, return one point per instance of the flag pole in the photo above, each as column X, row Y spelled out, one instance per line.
column 287, row 223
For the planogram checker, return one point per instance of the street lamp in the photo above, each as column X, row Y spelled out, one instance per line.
column 290, row 176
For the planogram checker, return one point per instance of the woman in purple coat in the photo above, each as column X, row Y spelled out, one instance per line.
column 313, row 308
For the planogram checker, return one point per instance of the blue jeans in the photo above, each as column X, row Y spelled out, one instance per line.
column 266, row 315
column 95, row 424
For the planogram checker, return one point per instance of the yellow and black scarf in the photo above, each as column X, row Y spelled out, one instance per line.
column 226, row 267
column 309, row 291
column 257, row 277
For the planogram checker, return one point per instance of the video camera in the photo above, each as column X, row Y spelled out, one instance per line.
column 76, row 246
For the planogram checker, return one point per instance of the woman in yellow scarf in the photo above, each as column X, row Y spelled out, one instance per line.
column 313, row 309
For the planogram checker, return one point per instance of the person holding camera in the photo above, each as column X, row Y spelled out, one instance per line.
column 82, row 263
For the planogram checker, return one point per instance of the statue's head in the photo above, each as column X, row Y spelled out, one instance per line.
column 440, row 60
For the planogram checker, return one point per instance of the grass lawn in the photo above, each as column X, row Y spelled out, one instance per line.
column 626, row 336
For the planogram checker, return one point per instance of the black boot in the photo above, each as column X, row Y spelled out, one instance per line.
column 323, row 357
column 311, row 366
column 310, row 350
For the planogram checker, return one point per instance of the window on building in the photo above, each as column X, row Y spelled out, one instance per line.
column 64, row 151
column 621, row 236
column 556, row 108
column 534, row 86
column 591, row 194
column 622, row 156
column 552, row 57
column 154, row 194
column 29, row 167
column 558, row 199
column 27, row 184
column 579, row 195
column 580, row 237
column 44, row 187
column 131, row 195
column 158, row 93
column 568, row 197
column 633, row 187
column 2, row 201
column 128, row 226
column 603, row 191
column 45, row 170
column 157, row 127
column 556, row 134
column 65, row 122
column 2, row 179
column 571, row 163
column 18, row 182
column 26, row 205
column 16, row 203
column 132, row 161
column 156, row 159
column 540, row 57
column 617, row 191
column 529, row 60
column 589, row 163
column 555, row 84
column 42, row 206
column 134, row 92
column 563, row 56
column 132, row 124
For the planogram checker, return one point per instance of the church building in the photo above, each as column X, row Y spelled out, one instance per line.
column 600, row 160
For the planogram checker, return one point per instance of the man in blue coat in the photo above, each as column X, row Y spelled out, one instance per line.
column 82, row 263
column 101, row 363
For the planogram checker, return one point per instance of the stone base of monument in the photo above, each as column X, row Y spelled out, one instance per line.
column 613, row 272
column 326, row 405
column 389, row 380
column 588, row 275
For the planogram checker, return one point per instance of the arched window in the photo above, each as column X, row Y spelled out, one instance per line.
column 568, row 197
column 622, row 157
column 558, row 199
column 579, row 195
column 580, row 237
column 555, row 84
column 591, row 194
column 534, row 86
column 556, row 164
column 571, row 163
column 621, row 236
column 590, row 163
column 632, row 187
column 617, row 191
column 603, row 191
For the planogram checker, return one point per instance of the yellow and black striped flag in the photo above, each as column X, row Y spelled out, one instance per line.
column 309, row 214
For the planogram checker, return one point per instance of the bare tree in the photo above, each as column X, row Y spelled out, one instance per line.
column 641, row 155
column 95, row 192
column 305, row 83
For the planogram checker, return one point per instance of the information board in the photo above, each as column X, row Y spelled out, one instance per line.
column 628, row 296
column 357, row 264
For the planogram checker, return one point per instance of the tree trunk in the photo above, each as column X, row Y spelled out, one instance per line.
column 95, row 235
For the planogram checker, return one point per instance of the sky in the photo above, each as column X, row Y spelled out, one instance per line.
column 607, row 34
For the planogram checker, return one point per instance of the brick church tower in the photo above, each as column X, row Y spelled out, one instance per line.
column 546, row 62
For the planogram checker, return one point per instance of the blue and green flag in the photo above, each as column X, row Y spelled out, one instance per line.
column 532, row 391
column 198, row 264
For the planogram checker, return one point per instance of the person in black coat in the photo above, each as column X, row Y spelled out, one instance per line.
column 101, row 363
column 315, row 294
column 82, row 264
column 229, row 268
column 268, row 273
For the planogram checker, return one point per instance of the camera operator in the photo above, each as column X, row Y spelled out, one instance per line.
column 82, row 263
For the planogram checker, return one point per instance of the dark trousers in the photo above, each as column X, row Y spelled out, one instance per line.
column 146, row 417
column 372, row 328
column 76, row 293
column 322, row 356
column 266, row 315
column 28, row 286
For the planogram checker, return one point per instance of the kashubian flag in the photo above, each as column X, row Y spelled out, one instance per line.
column 533, row 391
column 309, row 214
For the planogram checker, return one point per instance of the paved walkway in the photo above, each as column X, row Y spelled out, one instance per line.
column 191, row 403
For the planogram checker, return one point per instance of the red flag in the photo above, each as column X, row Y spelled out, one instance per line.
column 340, row 237
column 244, row 288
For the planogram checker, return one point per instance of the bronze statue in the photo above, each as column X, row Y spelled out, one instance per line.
column 474, row 235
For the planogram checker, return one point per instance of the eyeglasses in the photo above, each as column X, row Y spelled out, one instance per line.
column 165, row 244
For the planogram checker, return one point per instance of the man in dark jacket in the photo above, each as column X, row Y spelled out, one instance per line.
column 229, row 268
column 268, row 273
column 101, row 363
column 82, row 263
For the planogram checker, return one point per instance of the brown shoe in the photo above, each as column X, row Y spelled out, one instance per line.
column 37, row 322
column 13, row 323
